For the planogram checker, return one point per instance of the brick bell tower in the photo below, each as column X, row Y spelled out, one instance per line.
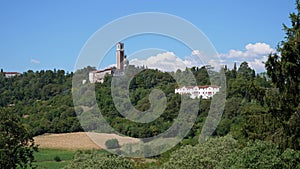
column 120, row 56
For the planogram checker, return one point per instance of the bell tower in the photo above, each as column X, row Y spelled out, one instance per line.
column 120, row 56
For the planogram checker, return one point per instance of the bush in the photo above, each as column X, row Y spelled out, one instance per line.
column 92, row 160
column 112, row 144
column 203, row 155
column 57, row 159
column 256, row 154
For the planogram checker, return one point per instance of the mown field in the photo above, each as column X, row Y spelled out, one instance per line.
column 57, row 150
column 55, row 158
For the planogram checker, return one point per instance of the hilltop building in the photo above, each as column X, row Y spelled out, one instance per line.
column 204, row 92
column 11, row 74
column 97, row 76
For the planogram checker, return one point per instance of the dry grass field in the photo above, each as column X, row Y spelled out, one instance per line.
column 79, row 140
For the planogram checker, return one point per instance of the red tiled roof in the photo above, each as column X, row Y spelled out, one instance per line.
column 11, row 73
column 203, row 87
column 104, row 70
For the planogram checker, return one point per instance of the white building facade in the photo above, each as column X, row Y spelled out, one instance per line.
column 11, row 74
column 204, row 92
column 97, row 76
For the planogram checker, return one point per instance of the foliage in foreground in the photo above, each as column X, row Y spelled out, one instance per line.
column 224, row 152
column 93, row 160
column 220, row 153
column 16, row 144
column 284, row 70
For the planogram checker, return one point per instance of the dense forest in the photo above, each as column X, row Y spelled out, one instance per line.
column 43, row 99
column 259, row 127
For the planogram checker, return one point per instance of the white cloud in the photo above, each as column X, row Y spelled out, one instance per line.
column 233, row 54
column 251, row 50
column 196, row 52
column 194, row 59
column 34, row 61
column 258, row 64
column 254, row 54
column 166, row 61
column 259, row 48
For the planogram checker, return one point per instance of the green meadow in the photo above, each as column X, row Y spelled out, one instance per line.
column 55, row 158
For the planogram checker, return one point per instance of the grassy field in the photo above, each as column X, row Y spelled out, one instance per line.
column 48, row 158
column 57, row 150
column 51, row 158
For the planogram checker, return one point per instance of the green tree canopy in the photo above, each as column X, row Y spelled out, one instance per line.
column 91, row 160
column 16, row 143
column 284, row 70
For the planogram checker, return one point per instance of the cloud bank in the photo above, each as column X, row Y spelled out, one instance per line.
column 166, row 61
column 254, row 54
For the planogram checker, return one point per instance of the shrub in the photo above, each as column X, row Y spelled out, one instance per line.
column 57, row 159
column 203, row 155
column 112, row 144
column 100, row 161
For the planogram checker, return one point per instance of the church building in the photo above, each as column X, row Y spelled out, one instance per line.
column 97, row 76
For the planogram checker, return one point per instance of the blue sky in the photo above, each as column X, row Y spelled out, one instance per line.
column 50, row 34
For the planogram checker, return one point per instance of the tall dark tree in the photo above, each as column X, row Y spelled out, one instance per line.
column 245, row 71
column 284, row 70
column 234, row 70
column 1, row 73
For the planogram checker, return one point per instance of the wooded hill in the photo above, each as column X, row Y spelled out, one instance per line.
column 44, row 101
column 260, row 120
